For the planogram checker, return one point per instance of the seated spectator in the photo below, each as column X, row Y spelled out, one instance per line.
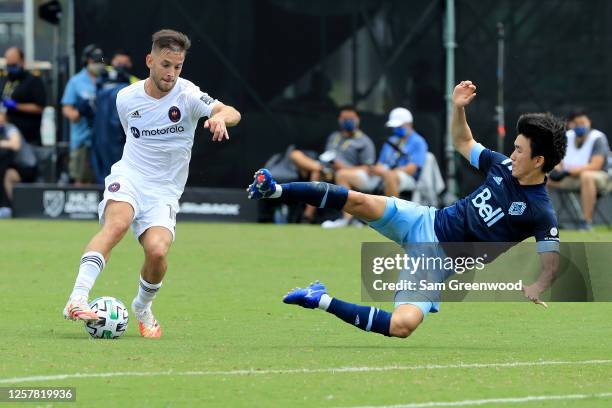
column 23, row 95
column 17, row 163
column 348, row 153
column 584, row 167
column 401, row 159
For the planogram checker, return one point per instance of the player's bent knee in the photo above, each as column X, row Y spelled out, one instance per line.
column 116, row 228
column 157, row 251
column 405, row 320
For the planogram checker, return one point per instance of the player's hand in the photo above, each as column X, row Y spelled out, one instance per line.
column 532, row 292
column 217, row 128
column 464, row 93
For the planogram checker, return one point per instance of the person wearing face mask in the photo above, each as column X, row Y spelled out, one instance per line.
column 23, row 96
column 78, row 107
column 348, row 152
column 17, row 162
column 401, row 159
column 118, row 72
column 585, row 165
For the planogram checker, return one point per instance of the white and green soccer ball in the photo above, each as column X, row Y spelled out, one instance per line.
column 112, row 318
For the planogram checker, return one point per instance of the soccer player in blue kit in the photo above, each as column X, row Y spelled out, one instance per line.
column 510, row 206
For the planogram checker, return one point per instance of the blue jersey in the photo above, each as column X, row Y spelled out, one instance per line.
column 500, row 210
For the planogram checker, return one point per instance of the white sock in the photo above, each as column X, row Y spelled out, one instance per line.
column 92, row 263
column 325, row 301
column 277, row 193
column 146, row 294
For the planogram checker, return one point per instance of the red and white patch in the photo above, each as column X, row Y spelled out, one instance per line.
column 114, row 187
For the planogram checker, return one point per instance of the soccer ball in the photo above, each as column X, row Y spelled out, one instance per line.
column 112, row 318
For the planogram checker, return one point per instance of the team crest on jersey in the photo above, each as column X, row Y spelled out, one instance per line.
column 135, row 132
column 498, row 180
column 174, row 114
column 114, row 187
column 517, row 208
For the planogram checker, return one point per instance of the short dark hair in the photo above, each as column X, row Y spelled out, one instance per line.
column 348, row 108
column 576, row 112
column 546, row 135
column 122, row 51
column 171, row 39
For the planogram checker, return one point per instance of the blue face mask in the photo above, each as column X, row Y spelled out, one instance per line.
column 348, row 125
column 14, row 71
column 399, row 131
column 580, row 131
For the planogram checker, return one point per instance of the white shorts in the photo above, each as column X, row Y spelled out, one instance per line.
column 151, row 208
column 369, row 183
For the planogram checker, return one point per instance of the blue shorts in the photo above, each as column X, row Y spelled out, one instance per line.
column 406, row 222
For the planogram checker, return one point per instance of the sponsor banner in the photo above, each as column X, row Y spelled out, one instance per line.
column 472, row 271
column 217, row 204
column 67, row 202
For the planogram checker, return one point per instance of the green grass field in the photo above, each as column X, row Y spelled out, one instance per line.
column 230, row 341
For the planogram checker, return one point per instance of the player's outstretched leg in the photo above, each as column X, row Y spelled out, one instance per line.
column 401, row 323
column 319, row 194
column 117, row 220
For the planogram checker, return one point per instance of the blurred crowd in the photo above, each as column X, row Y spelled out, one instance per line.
column 403, row 166
column 96, row 137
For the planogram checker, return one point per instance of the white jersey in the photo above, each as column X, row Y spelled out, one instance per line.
column 159, row 134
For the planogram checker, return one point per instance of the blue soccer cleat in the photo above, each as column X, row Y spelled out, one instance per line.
column 263, row 185
column 308, row 297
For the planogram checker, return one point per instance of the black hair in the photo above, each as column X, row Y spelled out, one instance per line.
column 122, row 51
column 576, row 112
column 348, row 108
column 546, row 135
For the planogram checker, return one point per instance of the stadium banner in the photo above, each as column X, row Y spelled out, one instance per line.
column 477, row 271
column 68, row 202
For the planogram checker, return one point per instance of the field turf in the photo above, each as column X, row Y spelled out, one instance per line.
column 230, row 341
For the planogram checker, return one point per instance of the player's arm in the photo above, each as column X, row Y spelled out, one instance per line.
column 222, row 116
column 463, row 141
column 550, row 267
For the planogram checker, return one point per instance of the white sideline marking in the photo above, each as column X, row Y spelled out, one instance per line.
column 515, row 400
column 16, row 380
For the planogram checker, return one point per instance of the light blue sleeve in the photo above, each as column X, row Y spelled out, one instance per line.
column 70, row 95
column 547, row 246
column 475, row 155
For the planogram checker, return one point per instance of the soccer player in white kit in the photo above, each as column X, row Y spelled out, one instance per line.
column 159, row 116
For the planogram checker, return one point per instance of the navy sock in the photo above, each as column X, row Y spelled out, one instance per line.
column 322, row 195
column 367, row 318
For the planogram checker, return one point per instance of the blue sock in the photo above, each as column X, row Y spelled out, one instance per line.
column 322, row 195
column 367, row 318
